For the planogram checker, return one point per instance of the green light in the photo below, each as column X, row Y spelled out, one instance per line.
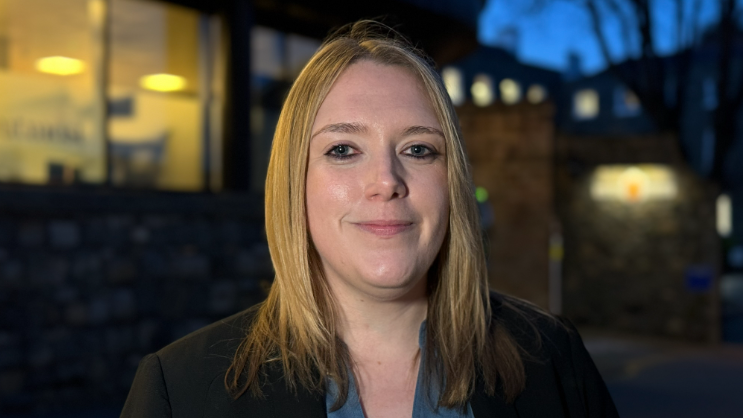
column 481, row 194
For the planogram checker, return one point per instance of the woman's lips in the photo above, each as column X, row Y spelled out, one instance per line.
column 384, row 228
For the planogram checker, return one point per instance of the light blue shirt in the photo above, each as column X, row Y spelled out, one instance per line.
column 422, row 408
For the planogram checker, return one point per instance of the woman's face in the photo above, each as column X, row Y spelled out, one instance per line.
column 377, row 195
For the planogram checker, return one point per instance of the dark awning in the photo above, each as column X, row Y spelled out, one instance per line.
column 445, row 29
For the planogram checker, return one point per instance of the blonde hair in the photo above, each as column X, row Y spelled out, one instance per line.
column 297, row 324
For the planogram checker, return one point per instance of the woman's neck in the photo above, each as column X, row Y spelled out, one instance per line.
column 381, row 327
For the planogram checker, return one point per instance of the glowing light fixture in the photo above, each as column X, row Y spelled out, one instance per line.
column 510, row 91
column 633, row 184
column 724, row 215
column 482, row 90
column 453, row 82
column 481, row 194
column 162, row 82
column 536, row 94
column 58, row 65
column 586, row 104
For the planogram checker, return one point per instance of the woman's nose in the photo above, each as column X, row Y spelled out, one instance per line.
column 385, row 179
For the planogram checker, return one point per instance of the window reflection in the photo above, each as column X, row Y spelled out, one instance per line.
column 159, row 91
column 50, row 116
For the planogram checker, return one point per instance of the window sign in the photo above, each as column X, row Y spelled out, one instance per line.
column 50, row 128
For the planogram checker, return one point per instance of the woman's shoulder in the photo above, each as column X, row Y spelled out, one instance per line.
column 208, row 347
column 535, row 330
column 185, row 378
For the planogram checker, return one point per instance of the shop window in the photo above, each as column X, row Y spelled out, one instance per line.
column 626, row 102
column 50, row 114
column 154, row 124
column 585, row 104
column 536, row 94
column 162, row 63
column 453, row 82
column 510, row 91
column 482, row 90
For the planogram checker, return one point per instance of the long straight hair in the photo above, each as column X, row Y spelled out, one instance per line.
column 297, row 324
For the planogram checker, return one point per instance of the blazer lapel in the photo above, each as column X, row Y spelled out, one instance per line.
column 484, row 406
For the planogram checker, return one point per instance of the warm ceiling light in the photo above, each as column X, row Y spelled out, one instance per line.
column 162, row 82
column 633, row 183
column 60, row 65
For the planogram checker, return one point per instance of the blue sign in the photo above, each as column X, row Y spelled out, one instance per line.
column 699, row 278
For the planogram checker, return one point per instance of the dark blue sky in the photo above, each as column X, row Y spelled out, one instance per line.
column 547, row 36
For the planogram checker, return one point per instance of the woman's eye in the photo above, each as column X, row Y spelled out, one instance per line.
column 341, row 152
column 419, row 151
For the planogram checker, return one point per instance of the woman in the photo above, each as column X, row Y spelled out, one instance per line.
column 380, row 306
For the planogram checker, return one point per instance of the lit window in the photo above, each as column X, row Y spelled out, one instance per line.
column 482, row 90
column 724, row 215
column 510, row 91
column 536, row 94
column 161, row 61
column 709, row 93
column 586, row 104
column 453, row 82
column 626, row 102
column 50, row 112
column 633, row 184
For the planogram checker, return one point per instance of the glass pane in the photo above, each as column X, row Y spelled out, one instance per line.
column 50, row 114
column 159, row 95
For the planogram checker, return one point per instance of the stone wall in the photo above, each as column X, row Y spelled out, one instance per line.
column 90, row 281
column 626, row 265
column 511, row 151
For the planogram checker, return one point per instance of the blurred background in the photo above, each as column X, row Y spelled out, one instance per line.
column 603, row 135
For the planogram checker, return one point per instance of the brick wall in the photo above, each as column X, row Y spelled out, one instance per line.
column 626, row 265
column 511, row 151
column 91, row 281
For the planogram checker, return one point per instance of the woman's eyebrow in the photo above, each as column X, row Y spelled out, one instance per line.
column 423, row 130
column 343, row 128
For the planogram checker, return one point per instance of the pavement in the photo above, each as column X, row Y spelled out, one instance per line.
column 651, row 378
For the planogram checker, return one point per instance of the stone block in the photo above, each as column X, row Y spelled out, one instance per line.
column 11, row 272
column 10, row 357
column 76, row 314
column 95, row 231
column 123, row 304
column 31, row 234
column 222, row 297
column 121, row 270
column 194, row 266
column 119, row 340
column 6, row 232
column 154, row 264
column 66, row 295
column 140, row 235
column 40, row 356
column 12, row 382
column 146, row 335
column 64, row 234
column 98, row 310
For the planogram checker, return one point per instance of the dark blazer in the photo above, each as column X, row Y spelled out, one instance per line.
column 186, row 378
